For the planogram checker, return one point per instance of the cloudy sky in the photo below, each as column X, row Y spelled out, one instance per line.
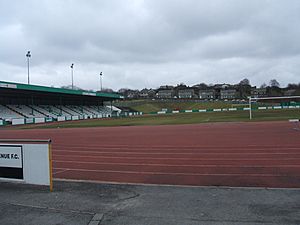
column 148, row 43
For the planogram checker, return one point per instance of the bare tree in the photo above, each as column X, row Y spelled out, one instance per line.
column 245, row 82
column 263, row 85
column 274, row 83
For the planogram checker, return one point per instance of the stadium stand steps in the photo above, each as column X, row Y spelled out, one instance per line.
column 7, row 114
column 13, row 113
column 88, row 110
column 97, row 109
column 63, row 112
column 12, row 109
column 27, row 111
column 83, row 110
column 52, row 109
column 43, row 111
column 37, row 110
column 73, row 110
column 76, row 109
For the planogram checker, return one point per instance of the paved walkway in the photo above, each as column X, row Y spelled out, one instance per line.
column 108, row 204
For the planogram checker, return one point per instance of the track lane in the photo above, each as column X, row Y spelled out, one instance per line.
column 177, row 169
column 223, row 154
column 197, row 180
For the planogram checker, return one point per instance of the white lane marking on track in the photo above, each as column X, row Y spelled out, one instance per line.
column 178, row 165
column 185, row 174
column 63, row 170
column 167, row 158
column 178, row 153
column 175, row 147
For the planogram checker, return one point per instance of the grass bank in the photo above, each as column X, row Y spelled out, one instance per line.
column 181, row 118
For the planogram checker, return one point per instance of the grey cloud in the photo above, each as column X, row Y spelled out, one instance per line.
column 152, row 42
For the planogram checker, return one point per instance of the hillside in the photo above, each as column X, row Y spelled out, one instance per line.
column 148, row 106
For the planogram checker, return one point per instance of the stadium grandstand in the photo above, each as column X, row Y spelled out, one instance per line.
column 24, row 103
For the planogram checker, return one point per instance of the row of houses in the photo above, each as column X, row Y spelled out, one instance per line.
column 223, row 91
column 202, row 92
column 207, row 94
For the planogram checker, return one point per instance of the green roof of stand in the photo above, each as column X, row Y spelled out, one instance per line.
column 30, row 87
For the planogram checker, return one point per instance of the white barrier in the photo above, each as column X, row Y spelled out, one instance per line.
column 18, row 121
column 48, row 119
column 29, row 120
column 277, row 107
column 176, row 111
column 27, row 161
column 161, row 112
column 75, row 117
column 202, row 110
column 68, row 117
column 61, row 118
column 1, row 122
column 39, row 120
column 262, row 107
column 217, row 110
column 232, row 109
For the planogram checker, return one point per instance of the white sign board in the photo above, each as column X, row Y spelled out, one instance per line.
column 75, row 117
column 36, row 164
column 18, row 121
column 61, row 118
column 11, row 156
column 29, row 163
column 39, row 120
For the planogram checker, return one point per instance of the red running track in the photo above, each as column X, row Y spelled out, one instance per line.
column 260, row 154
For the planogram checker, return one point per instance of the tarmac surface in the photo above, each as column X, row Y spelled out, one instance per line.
column 83, row 203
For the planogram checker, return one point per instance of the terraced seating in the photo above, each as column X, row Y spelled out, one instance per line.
column 45, row 110
column 8, row 114
column 26, row 111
